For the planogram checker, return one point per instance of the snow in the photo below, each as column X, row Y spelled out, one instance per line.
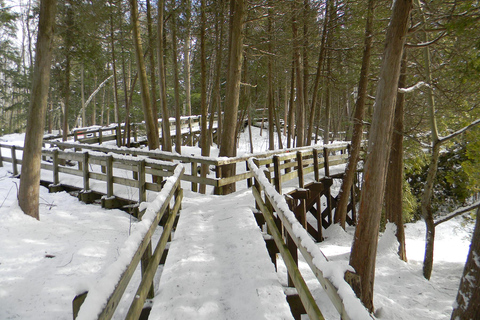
column 217, row 257
column 218, row 266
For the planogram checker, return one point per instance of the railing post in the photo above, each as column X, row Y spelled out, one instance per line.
column 75, row 136
column 109, row 172
column 14, row 160
column 86, row 174
column 55, row 167
column 100, row 136
column 249, row 180
column 118, row 135
column 147, row 256
column 1, row 161
column 194, row 174
column 190, row 129
column 278, row 174
column 315, row 164
column 326, row 165
column 142, row 192
column 218, row 175
column 300, row 169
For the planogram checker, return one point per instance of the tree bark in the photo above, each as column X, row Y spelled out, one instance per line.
column 394, row 187
column 298, row 79
column 28, row 195
column 355, row 145
column 176, row 87
column 228, row 145
column 203, row 96
column 364, row 246
column 186, row 51
column 152, row 135
column 467, row 304
column 68, row 47
column 167, row 140
column 115, row 83
column 151, row 55
column 321, row 57
column 270, row 97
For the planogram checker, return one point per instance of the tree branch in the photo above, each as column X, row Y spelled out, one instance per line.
column 457, row 212
column 413, row 88
column 459, row 132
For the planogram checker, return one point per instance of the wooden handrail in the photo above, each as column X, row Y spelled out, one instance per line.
column 337, row 289
column 102, row 300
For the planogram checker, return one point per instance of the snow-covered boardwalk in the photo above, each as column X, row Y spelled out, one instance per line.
column 218, row 266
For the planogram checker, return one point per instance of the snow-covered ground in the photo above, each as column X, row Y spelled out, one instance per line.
column 44, row 264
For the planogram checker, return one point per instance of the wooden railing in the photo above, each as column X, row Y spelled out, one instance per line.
column 190, row 131
column 137, row 172
column 284, row 164
column 290, row 237
column 102, row 300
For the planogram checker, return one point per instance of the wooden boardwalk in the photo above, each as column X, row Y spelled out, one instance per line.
column 218, row 266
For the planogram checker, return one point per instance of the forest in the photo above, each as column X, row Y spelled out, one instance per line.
column 399, row 80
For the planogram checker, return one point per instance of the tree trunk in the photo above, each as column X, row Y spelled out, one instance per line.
column 28, row 195
column 298, row 79
column 394, row 187
column 186, row 51
column 167, row 140
column 115, row 83
column 176, row 87
column 291, row 109
column 355, row 146
column 216, row 98
column 321, row 57
column 467, row 304
column 68, row 47
column 152, row 135
column 151, row 55
column 364, row 246
column 203, row 96
column 228, row 145
column 270, row 97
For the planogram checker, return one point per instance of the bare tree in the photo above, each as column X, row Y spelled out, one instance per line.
column 364, row 246
column 28, row 195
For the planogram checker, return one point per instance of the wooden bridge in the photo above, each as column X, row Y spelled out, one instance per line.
column 110, row 174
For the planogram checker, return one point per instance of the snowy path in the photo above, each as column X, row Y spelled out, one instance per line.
column 218, row 266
